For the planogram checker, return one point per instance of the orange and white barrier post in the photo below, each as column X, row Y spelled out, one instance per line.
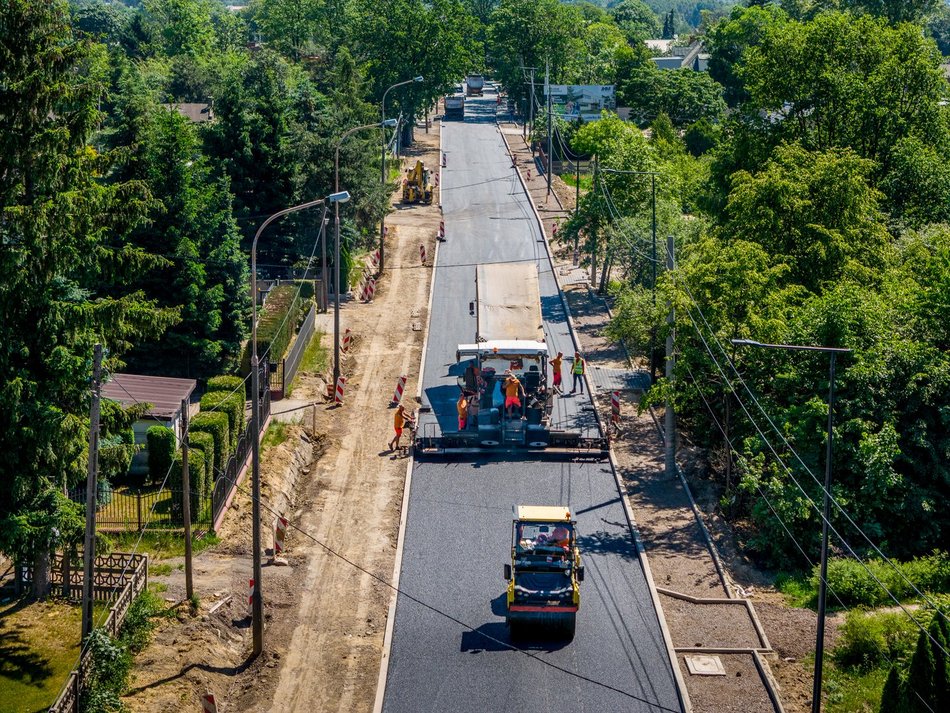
column 340, row 385
column 443, row 159
column 280, row 532
column 615, row 407
column 400, row 387
column 207, row 704
column 422, row 254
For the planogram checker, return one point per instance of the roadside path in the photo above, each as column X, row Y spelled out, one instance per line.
column 699, row 602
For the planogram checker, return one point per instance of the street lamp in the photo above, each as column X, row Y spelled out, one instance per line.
column 826, row 510
column 257, row 603
column 343, row 197
column 382, row 167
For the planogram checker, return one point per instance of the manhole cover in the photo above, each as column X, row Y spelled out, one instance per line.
column 705, row 666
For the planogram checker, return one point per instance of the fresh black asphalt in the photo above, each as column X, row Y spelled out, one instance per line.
column 450, row 648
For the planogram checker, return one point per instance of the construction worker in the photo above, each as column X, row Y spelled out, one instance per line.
column 462, row 408
column 556, row 368
column 513, row 389
column 399, row 422
column 577, row 371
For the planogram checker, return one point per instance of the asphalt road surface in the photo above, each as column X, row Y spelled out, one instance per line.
column 451, row 650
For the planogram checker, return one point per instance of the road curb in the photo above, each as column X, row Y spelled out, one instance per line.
column 628, row 512
column 394, row 583
column 383, row 676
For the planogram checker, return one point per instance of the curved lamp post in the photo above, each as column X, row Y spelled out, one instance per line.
column 382, row 166
column 832, row 352
column 257, row 603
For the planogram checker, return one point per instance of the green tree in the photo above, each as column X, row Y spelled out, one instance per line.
column 841, row 80
column 816, row 210
column 635, row 19
column 180, row 26
column 58, row 232
column 293, row 27
column 893, row 698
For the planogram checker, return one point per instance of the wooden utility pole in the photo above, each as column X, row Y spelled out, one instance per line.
column 547, row 90
column 186, row 499
column 92, row 474
column 531, row 112
column 670, row 422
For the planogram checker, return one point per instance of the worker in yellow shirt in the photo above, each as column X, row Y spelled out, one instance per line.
column 577, row 371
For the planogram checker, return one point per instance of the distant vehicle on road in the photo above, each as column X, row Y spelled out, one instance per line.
column 455, row 107
column 474, row 84
column 545, row 571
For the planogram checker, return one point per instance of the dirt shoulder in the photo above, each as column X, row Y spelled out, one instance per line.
column 325, row 613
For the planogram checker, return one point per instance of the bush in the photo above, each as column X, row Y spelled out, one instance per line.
column 161, row 451
column 273, row 330
column 197, row 481
column 227, row 384
column 854, row 585
column 869, row 641
column 203, row 441
column 215, row 423
column 230, row 404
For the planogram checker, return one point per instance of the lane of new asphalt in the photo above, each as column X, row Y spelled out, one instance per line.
column 453, row 652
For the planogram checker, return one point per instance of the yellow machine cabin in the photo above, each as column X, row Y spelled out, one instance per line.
column 416, row 186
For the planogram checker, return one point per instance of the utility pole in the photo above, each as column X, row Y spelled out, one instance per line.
column 653, row 285
column 186, row 499
column 670, row 422
column 92, row 474
column 547, row 90
column 531, row 111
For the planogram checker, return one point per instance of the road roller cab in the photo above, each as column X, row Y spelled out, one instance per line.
column 545, row 571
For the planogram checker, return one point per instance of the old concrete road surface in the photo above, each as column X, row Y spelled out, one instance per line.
column 450, row 647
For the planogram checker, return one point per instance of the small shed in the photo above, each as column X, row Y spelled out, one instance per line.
column 165, row 395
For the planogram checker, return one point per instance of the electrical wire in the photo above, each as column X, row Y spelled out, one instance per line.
column 791, row 475
column 789, row 446
column 445, row 615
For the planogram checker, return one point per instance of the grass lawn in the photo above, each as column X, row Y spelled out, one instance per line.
column 160, row 545
column 39, row 645
column 155, row 508
column 851, row 691
column 316, row 358
column 275, row 434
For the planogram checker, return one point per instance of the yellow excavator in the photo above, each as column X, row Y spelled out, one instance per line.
column 416, row 187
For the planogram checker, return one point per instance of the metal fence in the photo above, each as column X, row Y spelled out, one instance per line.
column 162, row 509
column 281, row 374
column 226, row 483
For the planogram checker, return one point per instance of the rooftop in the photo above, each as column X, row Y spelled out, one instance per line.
column 163, row 392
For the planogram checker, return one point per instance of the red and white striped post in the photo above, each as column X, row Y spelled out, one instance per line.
column 207, row 704
column 250, row 592
column 374, row 258
column 280, row 532
column 422, row 254
column 370, row 290
column 400, row 387
column 347, row 338
column 340, row 385
column 615, row 407
column 442, row 229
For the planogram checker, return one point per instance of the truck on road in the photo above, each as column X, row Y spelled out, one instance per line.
column 545, row 572
column 474, row 85
column 454, row 107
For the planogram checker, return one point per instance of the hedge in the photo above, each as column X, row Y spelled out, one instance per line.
column 161, row 451
column 273, row 331
column 197, row 472
column 204, row 441
column 215, row 423
column 227, row 384
column 230, row 404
